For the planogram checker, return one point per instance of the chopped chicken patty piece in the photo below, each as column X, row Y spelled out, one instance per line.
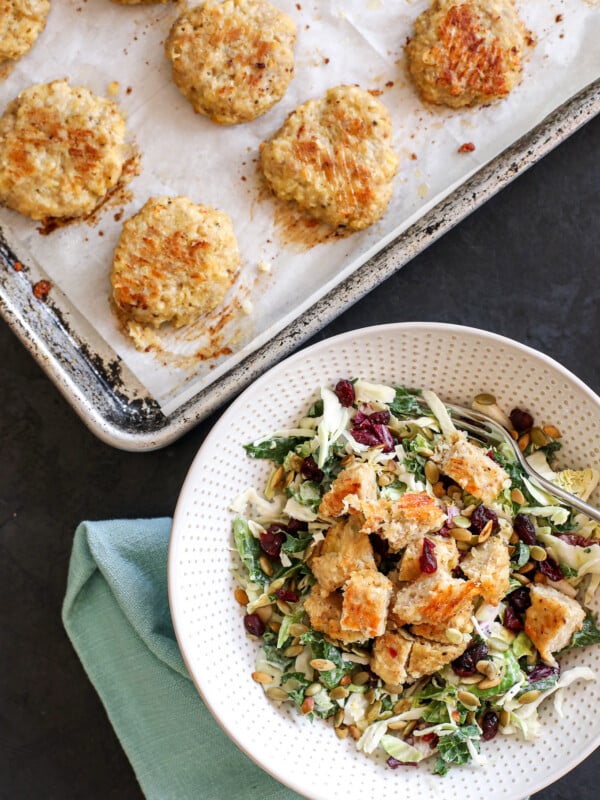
column 488, row 565
column 551, row 620
column 432, row 599
column 445, row 551
column 399, row 521
column 427, row 657
column 390, row 656
column 367, row 595
column 352, row 487
column 324, row 610
column 471, row 468
column 345, row 549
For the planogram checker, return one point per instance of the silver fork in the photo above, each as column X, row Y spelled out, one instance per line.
column 488, row 431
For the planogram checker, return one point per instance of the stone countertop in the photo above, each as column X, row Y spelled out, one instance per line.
column 539, row 239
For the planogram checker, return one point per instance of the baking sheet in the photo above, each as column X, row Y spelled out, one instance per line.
column 182, row 153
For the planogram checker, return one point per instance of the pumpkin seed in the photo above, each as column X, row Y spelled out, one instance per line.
column 468, row 699
column 466, row 512
column 464, row 547
column 341, row 732
column 354, row 731
column 275, row 626
column 529, row 697
column 462, row 522
column 523, row 441
column 538, row 437
column 410, row 726
column 265, row 613
column 347, row 460
column 526, row 568
column 402, row 705
column 307, row 705
column 284, row 607
column 489, row 683
column 275, row 693
column 293, row 650
column 487, row 668
column 470, row 718
column 485, row 399
column 393, row 688
column 427, row 433
column 397, row 726
column 523, row 579
column 373, row 711
column 313, row 689
column 486, row 532
column 370, row 695
column 461, row 535
column 322, row 664
column 273, row 482
column 552, row 431
column 266, row 565
column 262, row 677
column 385, row 479
column 518, row 497
column 297, row 629
column 385, row 715
column 274, row 585
column 241, row 596
column 471, row 679
column 514, row 538
column 504, row 718
column 538, row 553
column 426, row 452
column 338, row 717
column 339, row 693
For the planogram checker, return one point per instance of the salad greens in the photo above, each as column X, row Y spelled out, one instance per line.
column 490, row 668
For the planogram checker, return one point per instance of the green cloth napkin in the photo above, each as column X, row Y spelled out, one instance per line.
column 116, row 613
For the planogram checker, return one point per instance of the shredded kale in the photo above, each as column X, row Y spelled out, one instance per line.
column 589, row 633
column 273, row 449
column 321, row 648
column 249, row 550
column 405, row 403
column 295, row 544
column 272, row 654
column 453, row 747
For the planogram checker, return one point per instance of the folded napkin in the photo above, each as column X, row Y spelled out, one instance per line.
column 116, row 613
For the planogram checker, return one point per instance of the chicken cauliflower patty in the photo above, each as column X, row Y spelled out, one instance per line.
column 333, row 157
column 21, row 22
column 232, row 60
column 466, row 53
column 175, row 260
column 62, row 149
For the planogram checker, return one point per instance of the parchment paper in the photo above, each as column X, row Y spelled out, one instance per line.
column 97, row 42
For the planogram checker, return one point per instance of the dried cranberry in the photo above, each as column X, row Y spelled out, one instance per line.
column 550, row 569
column 372, row 431
column 521, row 420
column 286, row 595
column 254, row 624
column 464, row 665
column 295, row 525
column 345, row 393
column 427, row 560
column 271, row 541
column 393, row 763
column 311, row 471
column 542, row 671
column 519, row 599
column 524, row 529
column 480, row 518
column 489, row 725
column 511, row 620
column 432, row 739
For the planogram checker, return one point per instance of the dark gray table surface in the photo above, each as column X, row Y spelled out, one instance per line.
column 525, row 265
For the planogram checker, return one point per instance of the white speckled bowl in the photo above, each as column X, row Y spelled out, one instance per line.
column 457, row 363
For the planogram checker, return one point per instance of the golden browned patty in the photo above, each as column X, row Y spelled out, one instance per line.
column 62, row 149
column 467, row 53
column 174, row 261
column 333, row 157
column 232, row 60
column 21, row 22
